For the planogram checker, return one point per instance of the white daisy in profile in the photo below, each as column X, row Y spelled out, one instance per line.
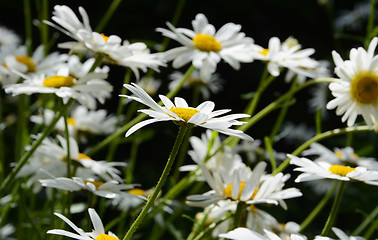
column 111, row 48
column 341, row 156
column 81, row 122
column 179, row 112
column 211, row 85
column 341, row 235
column 8, row 37
column 325, row 170
column 288, row 55
column 97, row 233
column 243, row 184
column 108, row 189
column 246, row 234
column 85, row 88
column 356, row 92
column 204, row 47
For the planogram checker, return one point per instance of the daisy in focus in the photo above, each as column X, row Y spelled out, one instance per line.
column 111, row 48
column 288, row 55
column 325, row 170
column 356, row 91
column 85, row 87
column 211, row 85
column 204, row 47
column 97, row 233
column 179, row 112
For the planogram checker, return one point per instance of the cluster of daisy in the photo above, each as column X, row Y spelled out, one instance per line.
column 235, row 183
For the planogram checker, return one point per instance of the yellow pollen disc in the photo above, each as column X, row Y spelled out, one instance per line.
column 83, row 156
column 137, row 191
column 364, row 88
column 97, row 184
column 339, row 154
column 340, row 170
column 184, row 113
column 71, row 121
column 264, row 52
column 228, row 191
column 58, row 81
column 207, row 43
column 105, row 237
column 104, row 37
column 355, row 155
column 27, row 61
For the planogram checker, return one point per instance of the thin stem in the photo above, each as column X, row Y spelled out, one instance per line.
column 109, row 13
column 212, row 226
column 28, row 26
column 318, row 121
column 28, row 154
column 43, row 28
column 269, row 148
column 68, row 157
column 366, row 222
column 97, row 63
column 370, row 24
column 335, row 209
column 140, row 117
column 318, row 138
column 318, row 207
column 151, row 200
column 238, row 216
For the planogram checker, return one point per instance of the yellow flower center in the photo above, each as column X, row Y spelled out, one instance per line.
column 105, row 237
column 340, row 170
column 207, row 43
column 83, row 156
column 339, row 154
column 228, row 191
column 71, row 121
column 137, row 191
column 184, row 113
column 26, row 60
column 106, row 38
column 58, row 81
column 97, row 184
column 264, row 52
column 364, row 88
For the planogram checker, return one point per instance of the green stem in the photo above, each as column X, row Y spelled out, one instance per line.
column 132, row 161
column 68, row 157
column 97, row 63
column 238, row 217
column 28, row 27
column 151, row 199
column 335, row 209
column 43, row 28
column 212, row 226
column 370, row 24
column 318, row 207
column 140, row 117
column 372, row 216
column 28, row 154
column 318, row 138
column 318, row 121
column 109, row 13
column 269, row 148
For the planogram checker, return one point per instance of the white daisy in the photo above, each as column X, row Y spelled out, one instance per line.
column 109, row 189
column 341, row 236
column 246, row 234
column 341, row 156
column 112, row 48
column 356, row 92
column 204, row 47
column 213, row 84
column 287, row 55
column 179, row 112
column 324, row 170
column 85, row 88
column 8, row 37
column 97, row 233
column 82, row 121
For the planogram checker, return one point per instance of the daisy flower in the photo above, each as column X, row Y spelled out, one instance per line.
column 85, row 88
column 246, row 234
column 288, row 55
column 356, row 92
column 325, row 170
column 212, row 84
column 112, row 48
column 204, row 47
column 341, row 156
column 109, row 189
column 97, row 233
column 82, row 121
column 8, row 37
column 341, row 235
column 179, row 112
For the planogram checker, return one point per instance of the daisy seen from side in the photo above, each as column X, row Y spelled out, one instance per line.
column 204, row 47
column 356, row 91
column 180, row 113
